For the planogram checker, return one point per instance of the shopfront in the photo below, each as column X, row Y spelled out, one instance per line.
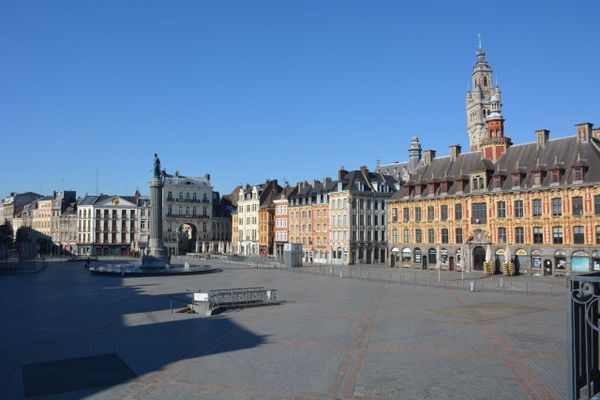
column 536, row 261
column 580, row 262
column 521, row 260
column 406, row 255
column 596, row 260
column 499, row 259
column 418, row 257
column 560, row 262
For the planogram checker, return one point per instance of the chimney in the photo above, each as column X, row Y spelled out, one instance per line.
column 596, row 133
column 541, row 137
column 455, row 151
column 315, row 183
column 342, row 173
column 364, row 169
column 584, row 132
column 428, row 156
column 326, row 181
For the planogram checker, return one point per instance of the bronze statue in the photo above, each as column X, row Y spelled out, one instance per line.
column 157, row 172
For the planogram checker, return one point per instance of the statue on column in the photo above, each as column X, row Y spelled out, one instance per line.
column 157, row 171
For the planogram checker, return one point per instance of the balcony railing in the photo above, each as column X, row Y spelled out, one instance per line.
column 584, row 337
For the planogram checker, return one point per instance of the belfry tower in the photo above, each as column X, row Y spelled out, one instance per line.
column 479, row 96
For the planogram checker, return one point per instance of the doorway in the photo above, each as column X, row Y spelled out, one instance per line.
column 451, row 263
column 478, row 258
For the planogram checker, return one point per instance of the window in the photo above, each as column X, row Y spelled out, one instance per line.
column 536, row 179
column 406, row 236
column 170, row 196
column 501, row 209
column 536, row 205
column 578, row 174
column 501, row 235
column 479, row 215
column 538, row 235
column 578, row 235
column 597, row 234
column 444, row 235
column 431, row 236
column 395, row 235
column 458, row 233
column 458, row 211
column 554, row 176
column 518, row 208
column 418, row 236
column 516, row 180
column 519, row 235
column 557, row 235
column 597, row 205
column 394, row 215
column 418, row 214
column 405, row 214
column 497, row 182
column 577, row 203
column 444, row 212
column 430, row 213
column 556, row 207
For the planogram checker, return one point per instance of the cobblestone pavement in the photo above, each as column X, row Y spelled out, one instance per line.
column 330, row 338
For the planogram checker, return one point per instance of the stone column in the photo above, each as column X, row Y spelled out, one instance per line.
column 155, row 243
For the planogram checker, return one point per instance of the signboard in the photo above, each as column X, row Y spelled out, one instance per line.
column 287, row 247
column 200, row 296
column 521, row 252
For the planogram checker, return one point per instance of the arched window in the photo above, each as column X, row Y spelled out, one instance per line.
column 485, row 82
column 170, row 196
column 180, row 195
column 194, row 197
column 481, row 184
column 187, row 196
column 170, row 210
column 194, row 211
column 204, row 227
column 204, row 197
column 187, row 211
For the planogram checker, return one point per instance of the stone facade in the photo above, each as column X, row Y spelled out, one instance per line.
column 106, row 225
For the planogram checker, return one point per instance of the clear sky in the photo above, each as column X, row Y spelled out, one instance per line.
column 248, row 90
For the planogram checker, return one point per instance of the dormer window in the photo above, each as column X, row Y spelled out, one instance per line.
column 497, row 182
column 555, row 176
column 536, row 178
column 444, row 187
column 406, row 190
column 418, row 190
column 578, row 174
column 477, row 182
column 516, row 180
column 431, row 188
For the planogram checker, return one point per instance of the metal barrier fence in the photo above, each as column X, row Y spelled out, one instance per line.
column 443, row 279
column 584, row 353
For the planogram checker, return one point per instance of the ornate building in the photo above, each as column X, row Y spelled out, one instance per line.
column 540, row 201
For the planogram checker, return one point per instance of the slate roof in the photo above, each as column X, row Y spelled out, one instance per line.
column 523, row 159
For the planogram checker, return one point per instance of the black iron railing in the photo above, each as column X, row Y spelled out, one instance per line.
column 584, row 352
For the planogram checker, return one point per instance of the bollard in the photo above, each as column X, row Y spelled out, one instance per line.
column 472, row 286
column 439, row 274
column 340, row 273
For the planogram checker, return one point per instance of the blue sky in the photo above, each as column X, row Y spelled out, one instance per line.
column 249, row 90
